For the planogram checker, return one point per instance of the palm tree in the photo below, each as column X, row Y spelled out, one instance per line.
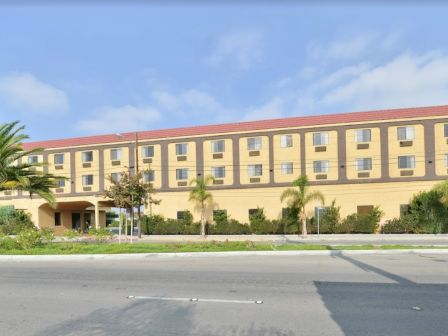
column 18, row 175
column 299, row 197
column 201, row 195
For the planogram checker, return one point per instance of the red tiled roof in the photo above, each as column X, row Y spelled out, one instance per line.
column 342, row 118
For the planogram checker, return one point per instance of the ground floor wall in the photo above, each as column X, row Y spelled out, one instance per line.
column 78, row 213
column 388, row 196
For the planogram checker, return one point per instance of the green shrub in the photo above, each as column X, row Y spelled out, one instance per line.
column 8, row 243
column 408, row 223
column 259, row 223
column 12, row 221
column 149, row 223
column 101, row 235
column 361, row 223
column 330, row 219
column 30, row 238
column 71, row 235
column 229, row 226
column 47, row 235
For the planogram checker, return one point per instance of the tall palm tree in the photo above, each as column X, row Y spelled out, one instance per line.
column 200, row 195
column 18, row 175
column 299, row 197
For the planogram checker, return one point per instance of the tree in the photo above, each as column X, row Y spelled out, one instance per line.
column 299, row 197
column 200, row 195
column 18, row 175
column 131, row 191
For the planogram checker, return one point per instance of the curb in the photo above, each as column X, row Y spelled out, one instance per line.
column 142, row 256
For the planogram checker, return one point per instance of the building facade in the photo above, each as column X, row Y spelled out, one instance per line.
column 361, row 160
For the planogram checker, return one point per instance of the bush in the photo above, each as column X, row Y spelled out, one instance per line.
column 30, row 238
column 101, row 235
column 71, row 235
column 12, row 221
column 330, row 219
column 259, row 223
column 47, row 235
column 408, row 223
column 231, row 226
column 361, row 223
column 8, row 243
column 148, row 223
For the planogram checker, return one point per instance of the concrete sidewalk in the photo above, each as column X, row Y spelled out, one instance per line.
column 168, row 255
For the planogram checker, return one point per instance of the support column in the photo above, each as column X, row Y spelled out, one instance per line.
column 97, row 216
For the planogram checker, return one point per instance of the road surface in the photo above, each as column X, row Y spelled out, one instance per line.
column 303, row 295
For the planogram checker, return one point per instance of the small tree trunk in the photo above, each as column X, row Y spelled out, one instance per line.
column 304, row 231
column 139, row 223
column 202, row 221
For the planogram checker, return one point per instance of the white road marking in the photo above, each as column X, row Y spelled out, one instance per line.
column 162, row 298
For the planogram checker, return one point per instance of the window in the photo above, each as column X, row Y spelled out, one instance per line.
column 181, row 149
column 406, row 162
column 287, row 168
column 148, row 151
column 180, row 215
column 286, row 141
column 148, row 176
column 87, row 180
column 320, row 166
column 404, row 209
column 218, row 146
column 364, row 164
column 87, row 156
column 115, row 154
column 219, row 214
column 405, row 133
column 60, row 183
column 445, row 130
column 364, row 209
column 219, row 172
column 320, row 139
column 254, row 143
column 33, row 159
column 289, row 213
column 57, row 219
column 255, row 170
column 116, row 177
column 182, row 174
column 446, row 160
column 59, row 159
column 253, row 211
column 363, row 135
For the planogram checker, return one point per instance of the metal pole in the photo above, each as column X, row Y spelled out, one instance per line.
column 119, row 228
column 132, row 215
column 318, row 222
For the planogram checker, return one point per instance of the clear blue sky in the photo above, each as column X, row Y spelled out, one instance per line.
column 78, row 70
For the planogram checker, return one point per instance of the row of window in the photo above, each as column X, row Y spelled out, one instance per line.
column 404, row 133
column 256, row 170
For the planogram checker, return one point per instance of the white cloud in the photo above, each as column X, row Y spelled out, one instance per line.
column 352, row 47
column 270, row 110
column 25, row 92
column 241, row 49
column 189, row 102
column 111, row 119
column 407, row 80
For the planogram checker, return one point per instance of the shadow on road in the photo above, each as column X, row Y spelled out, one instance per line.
column 155, row 318
column 401, row 308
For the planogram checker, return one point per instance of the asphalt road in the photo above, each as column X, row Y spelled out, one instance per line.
column 303, row 295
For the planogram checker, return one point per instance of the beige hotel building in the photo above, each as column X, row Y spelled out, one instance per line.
column 360, row 159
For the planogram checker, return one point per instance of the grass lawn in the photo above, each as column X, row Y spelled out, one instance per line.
column 115, row 248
